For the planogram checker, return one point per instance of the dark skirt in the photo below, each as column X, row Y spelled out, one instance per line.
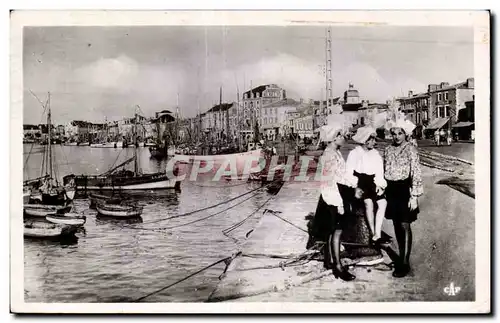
column 367, row 184
column 398, row 195
column 327, row 219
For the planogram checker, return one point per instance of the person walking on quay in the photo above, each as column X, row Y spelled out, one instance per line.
column 404, row 186
column 436, row 137
column 337, row 192
column 365, row 163
column 448, row 138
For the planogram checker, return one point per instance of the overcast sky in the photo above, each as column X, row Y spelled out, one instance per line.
column 95, row 73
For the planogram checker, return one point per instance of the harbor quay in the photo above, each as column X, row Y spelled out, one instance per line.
column 275, row 265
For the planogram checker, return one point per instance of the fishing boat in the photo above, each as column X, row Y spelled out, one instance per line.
column 244, row 162
column 40, row 210
column 118, row 178
column 85, row 143
column 38, row 229
column 46, row 189
column 113, row 144
column 122, row 211
column 68, row 218
column 102, row 199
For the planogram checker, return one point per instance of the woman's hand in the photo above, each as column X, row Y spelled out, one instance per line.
column 358, row 193
column 413, row 203
column 340, row 209
column 379, row 190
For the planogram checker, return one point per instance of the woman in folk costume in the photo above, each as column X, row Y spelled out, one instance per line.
column 334, row 202
column 365, row 163
column 404, row 186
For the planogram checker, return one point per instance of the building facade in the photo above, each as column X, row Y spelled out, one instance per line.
column 437, row 108
column 274, row 118
column 253, row 102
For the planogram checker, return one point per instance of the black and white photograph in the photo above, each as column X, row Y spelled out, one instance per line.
column 239, row 161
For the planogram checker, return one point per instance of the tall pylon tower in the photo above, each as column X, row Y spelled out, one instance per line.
column 328, row 69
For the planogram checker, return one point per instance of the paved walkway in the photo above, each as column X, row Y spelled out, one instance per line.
column 443, row 252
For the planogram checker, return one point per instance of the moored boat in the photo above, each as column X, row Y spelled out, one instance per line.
column 40, row 210
column 118, row 178
column 102, row 199
column 122, row 211
column 38, row 229
column 245, row 162
column 68, row 218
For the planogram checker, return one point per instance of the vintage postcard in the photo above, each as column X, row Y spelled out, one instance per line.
column 250, row 162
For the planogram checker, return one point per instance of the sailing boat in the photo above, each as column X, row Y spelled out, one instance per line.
column 118, row 178
column 244, row 162
column 46, row 189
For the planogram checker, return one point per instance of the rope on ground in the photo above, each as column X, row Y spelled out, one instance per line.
column 237, row 225
column 187, row 277
column 285, row 220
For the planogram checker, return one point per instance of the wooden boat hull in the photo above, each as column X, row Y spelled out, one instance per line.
column 40, row 210
column 118, row 144
column 119, row 211
column 102, row 199
column 68, row 219
column 109, row 183
column 245, row 162
column 47, row 230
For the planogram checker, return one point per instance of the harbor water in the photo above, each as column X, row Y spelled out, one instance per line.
column 123, row 260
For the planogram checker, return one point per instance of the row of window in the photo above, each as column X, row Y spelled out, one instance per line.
column 442, row 96
column 270, row 111
column 306, row 126
column 265, row 94
column 271, row 120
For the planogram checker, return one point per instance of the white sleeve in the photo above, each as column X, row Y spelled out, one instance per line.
column 379, row 171
column 350, row 165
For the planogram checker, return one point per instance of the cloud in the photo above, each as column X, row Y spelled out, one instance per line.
column 110, row 73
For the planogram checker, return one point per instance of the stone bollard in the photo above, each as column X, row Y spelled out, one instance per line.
column 356, row 238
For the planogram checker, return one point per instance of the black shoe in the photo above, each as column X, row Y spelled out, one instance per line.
column 401, row 271
column 343, row 274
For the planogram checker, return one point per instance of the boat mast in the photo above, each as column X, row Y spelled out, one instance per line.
column 238, row 135
column 49, row 126
column 135, row 144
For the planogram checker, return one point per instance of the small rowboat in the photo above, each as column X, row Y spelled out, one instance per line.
column 36, row 229
column 68, row 218
column 102, row 199
column 122, row 211
column 40, row 210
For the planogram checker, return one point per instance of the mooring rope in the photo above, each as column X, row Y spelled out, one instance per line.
column 205, row 208
column 198, row 220
column 187, row 277
column 285, row 220
column 237, row 225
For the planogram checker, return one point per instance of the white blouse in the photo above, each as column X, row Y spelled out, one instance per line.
column 368, row 162
column 333, row 172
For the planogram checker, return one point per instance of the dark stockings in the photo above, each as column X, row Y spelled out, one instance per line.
column 404, row 238
column 332, row 251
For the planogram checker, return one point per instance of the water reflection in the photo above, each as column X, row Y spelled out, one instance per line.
column 117, row 258
column 103, row 219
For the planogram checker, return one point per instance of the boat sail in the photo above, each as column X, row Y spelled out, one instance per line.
column 118, row 178
column 46, row 189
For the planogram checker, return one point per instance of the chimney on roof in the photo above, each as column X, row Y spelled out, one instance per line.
column 444, row 84
column 470, row 83
column 410, row 93
column 431, row 88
